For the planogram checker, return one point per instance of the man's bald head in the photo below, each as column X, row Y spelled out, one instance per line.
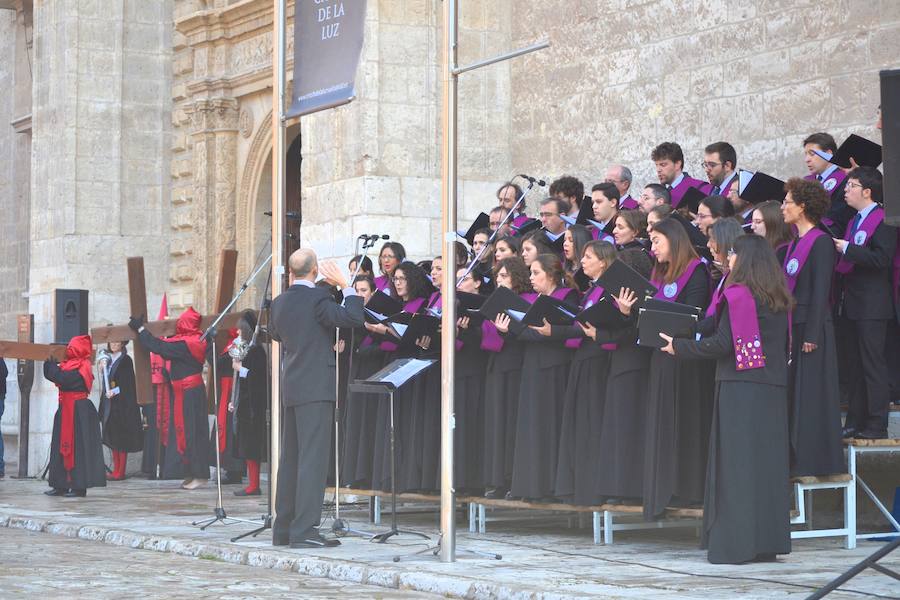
column 303, row 263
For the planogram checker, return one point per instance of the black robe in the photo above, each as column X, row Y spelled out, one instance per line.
column 251, row 439
column 123, row 429
column 194, row 463
column 679, row 416
column 89, row 470
column 545, row 373
column 620, row 463
column 746, row 510
column 501, row 403
column 361, row 411
column 813, row 392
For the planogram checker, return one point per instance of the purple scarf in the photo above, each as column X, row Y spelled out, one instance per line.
column 748, row 349
column 716, row 297
column 681, row 189
column 591, row 298
column 862, row 236
column 669, row 292
column 796, row 256
column 628, row 203
column 383, row 283
column 411, row 307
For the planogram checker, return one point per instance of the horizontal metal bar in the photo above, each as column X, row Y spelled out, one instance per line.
column 817, row 533
column 489, row 61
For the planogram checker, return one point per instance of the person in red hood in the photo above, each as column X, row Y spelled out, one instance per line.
column 76, row 454
column 186, row 352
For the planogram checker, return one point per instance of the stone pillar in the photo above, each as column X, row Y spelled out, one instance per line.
column 214, row 128
column 101, row 128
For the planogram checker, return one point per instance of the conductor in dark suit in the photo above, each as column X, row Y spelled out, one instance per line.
column 303, row 320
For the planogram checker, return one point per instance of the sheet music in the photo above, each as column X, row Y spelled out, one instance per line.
column 515, row 314
column 378, row 316
column 400, row 328
column 407, row 371
column 565, row 312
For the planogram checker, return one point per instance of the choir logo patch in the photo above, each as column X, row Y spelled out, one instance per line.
column 829, row 184
column 671, row 289
column 860, row 238
column 793, row 266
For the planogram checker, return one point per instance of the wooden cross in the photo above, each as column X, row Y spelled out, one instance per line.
column 137, row 300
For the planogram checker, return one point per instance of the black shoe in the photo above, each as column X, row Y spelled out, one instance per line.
column 76, row 494
column 55, row 492
column 848, row 432
column 316, row 541
column 255, row 492
column 872, row 434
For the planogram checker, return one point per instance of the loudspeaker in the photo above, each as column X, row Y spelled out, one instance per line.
column 70, row 314
column 890, row 136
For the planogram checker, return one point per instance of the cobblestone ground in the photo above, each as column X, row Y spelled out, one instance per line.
column 53, row 566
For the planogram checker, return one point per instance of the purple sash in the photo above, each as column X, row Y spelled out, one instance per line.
column 520, row 220
column 411, row 307
column 668, row 292
column 717, row 295
column 861, row 238
column 681, row 189
column 796, row 256
column 748, row 349
column 367, row 341
column 491, row 340
column 598, row 234
column 591, row 298
column 383, row 283
column 628, row 203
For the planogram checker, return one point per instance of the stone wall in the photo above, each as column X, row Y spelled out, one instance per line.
column 102, row 106
column 623, row 76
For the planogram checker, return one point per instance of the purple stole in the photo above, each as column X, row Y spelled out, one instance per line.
column 748, row 349
column 716, row 297
column 668, row 292
column 591, row 298
column 628, row 203
column 491, row 340
column 797, row 254
column 862, row 236
column 383, row 283
column 411, row 307
column 601, row 235
column 681, row 189
column 367, row 341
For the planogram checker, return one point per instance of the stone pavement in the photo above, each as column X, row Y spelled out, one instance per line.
column 55, row 566
column 542, row 559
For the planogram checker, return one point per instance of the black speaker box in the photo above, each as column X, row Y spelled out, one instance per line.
column 890, row 136
column 70, row 314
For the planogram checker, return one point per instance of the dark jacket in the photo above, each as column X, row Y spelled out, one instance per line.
column 867, row 291
column 303, row 319
column 813, row 289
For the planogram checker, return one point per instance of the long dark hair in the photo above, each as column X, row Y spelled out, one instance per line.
column 681, row 251
column 580, row 238
column 603, row 250
column 777, row 231
column 553, row 267
column 514, row 243
column 757, row 268
column 518, row 273
column 417, row 281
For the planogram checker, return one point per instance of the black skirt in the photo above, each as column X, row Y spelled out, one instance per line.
column 360, row 425
column 582, row 420
column 814, row 409
column 621, row 452
column 194, row 463
column 747, row 503
column 123, row 429
column 89, row 470
column 501, row 404
column 545, row 372
column 679, row 415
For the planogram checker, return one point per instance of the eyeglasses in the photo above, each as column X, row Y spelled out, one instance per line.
column 854, row 184
column 710, row 165
column 546, row 215
column 388, row 257
column 398, row 278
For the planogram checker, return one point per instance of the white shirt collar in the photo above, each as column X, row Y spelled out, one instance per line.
column 677, row 181
column 827, row 172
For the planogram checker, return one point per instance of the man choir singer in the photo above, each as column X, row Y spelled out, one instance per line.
column 303, row 320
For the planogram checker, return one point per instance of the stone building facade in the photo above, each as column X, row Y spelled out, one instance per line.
column 143, row 127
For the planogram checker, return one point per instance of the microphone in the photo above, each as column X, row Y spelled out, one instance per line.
column 288, row 215
column 374, row 236
column 531, row 179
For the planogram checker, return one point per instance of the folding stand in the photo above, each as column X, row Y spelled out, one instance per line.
column 385, row 382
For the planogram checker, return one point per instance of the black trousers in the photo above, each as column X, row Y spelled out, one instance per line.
column 305, row 441
column 869, row 389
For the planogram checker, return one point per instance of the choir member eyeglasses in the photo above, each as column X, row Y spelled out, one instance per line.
column 398, row 278
column 710, row 165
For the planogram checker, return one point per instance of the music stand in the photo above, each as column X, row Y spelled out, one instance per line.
column 385, row 382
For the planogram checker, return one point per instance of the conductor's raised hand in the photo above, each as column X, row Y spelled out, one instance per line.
column 501, row 322
column 332, row 274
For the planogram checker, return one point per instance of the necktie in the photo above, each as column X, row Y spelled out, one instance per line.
column 856, row 221
column 819, row 177
column 715, row 191
column 668, row 186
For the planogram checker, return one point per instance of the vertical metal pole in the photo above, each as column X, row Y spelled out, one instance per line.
column 448, row 324
column 278, row 167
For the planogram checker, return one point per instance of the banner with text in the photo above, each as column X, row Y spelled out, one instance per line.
column 328, row 39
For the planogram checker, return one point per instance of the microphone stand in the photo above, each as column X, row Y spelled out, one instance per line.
column 339, row 526
column 210, row 333
column 507, row 218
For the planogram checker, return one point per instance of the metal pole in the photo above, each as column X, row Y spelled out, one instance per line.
column 278, row 167
column 448, row 287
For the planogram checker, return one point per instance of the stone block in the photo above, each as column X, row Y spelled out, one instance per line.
column 420, row 197
column 884, row 46
column 797, row 107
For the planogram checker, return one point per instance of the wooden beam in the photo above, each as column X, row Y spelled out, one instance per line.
column 121, row 333
column 26, row 351
column 137, row 305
